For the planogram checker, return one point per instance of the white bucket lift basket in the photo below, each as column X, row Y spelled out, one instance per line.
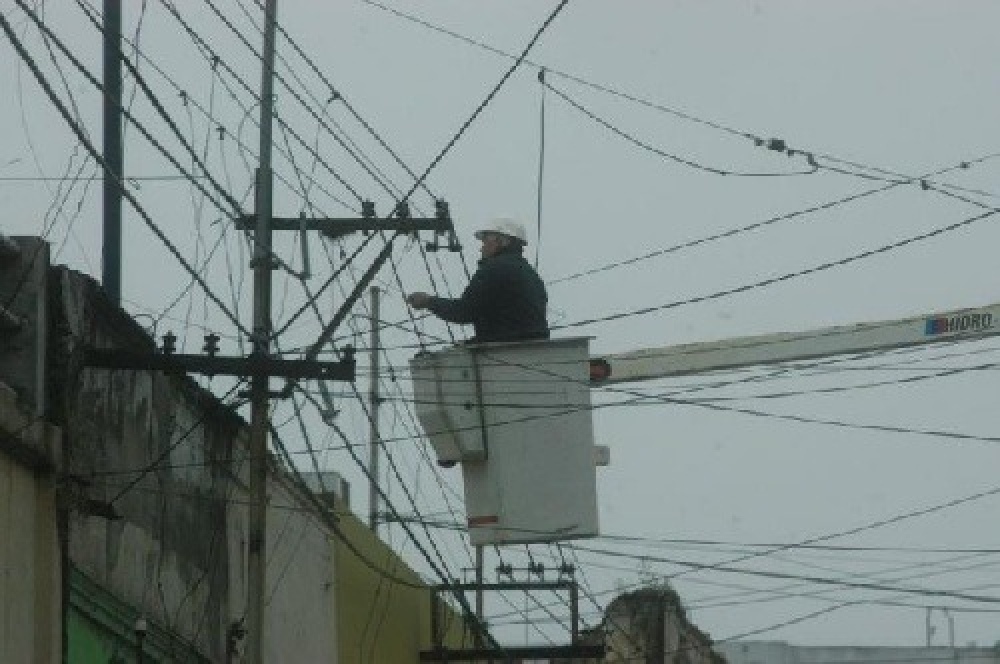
column 517, row 417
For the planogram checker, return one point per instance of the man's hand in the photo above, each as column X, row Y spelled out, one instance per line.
column 418, row 300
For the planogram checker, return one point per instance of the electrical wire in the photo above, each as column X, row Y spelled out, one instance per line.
column 684, row 161
column 858, row 585
column 157, row 463
column 125, row 178
column 316, row 156
column 339, row 96
column 763, row 283
column 461, row 131
column 666, row 399
column 440, row 571
column 335, row 95
column 171, row 7
column 675, row 112
column 24, row 55
column 60, row 199
column 328, row 519
column 881, row 523
column 151, row 97
column 215, row 60
column 177, row 16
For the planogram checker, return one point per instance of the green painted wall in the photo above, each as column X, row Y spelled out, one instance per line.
column 90, row 644
column 100, row 630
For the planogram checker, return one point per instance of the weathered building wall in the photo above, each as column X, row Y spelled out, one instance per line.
column 649, row 626
column 30, row 592
column 155, row 450
column 150, row 525
column 780, row 652
column 160, row 452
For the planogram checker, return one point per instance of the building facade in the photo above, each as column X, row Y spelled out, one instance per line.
column 124, row 503
column 650, row 626
column 779, row 652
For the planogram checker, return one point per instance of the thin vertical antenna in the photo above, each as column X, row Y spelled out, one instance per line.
column 480, row 608
column 373, row 393
column 541, row 167
column 111, row 262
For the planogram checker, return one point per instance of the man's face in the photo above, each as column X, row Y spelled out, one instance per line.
column 492, row 244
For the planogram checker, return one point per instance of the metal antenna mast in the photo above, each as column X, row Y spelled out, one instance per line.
column 374, row 400
column 111, row 262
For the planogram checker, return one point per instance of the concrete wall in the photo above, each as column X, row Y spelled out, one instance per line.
column 160, row 452
column 779, row 652
column 167, row 554
column 650, row 626
column 379, row 620
column 30, row 591
column 178, row 555
column 152, row 514
column 301, row 603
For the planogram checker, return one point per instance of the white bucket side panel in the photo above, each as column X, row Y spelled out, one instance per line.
column 538, row 482
column 447, row 404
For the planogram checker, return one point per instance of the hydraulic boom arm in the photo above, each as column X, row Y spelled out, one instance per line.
column 680, row 360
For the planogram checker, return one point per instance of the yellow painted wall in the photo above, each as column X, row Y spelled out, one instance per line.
column 381, row 621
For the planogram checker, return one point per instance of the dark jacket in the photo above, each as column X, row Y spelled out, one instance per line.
column 505, row 300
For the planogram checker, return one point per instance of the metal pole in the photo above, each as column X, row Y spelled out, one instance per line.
column 140, row 636
column 374, row 399
column 574, row 613
column 479, row 583
column 111, row 262
column 262, row 264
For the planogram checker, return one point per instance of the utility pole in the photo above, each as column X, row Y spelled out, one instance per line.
column 262, row 264
column 480, row 609
column 374, row 399
column 111, row 262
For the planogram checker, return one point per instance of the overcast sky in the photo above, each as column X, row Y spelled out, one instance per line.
column 878, row 91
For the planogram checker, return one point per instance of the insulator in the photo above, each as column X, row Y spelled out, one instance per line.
column 776, row 144
column 368, row 209
column 211, row 346
column 8, row 248
column 9, row 322
column 169, row 343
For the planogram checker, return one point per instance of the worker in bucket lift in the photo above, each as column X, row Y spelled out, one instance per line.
column 505, row 299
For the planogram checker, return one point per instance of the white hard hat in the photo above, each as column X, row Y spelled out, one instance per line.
column 509, row 227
